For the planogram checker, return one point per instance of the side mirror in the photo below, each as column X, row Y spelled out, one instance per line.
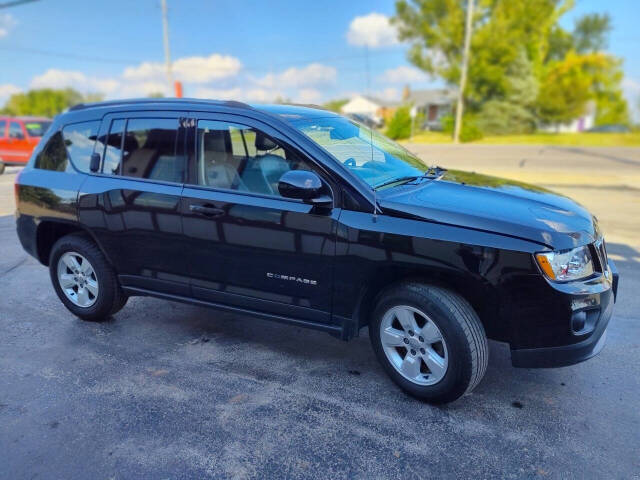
column 303, row 185
column 94, row 164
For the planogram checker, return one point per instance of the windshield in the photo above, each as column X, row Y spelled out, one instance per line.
column 351, row 143
column 37, row 129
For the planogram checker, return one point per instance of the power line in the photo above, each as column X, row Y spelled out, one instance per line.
column 50, row 53
column 15, row 3
column 122, row 61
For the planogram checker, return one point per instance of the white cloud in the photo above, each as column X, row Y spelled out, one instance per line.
column 54, row 78
column 7, row 22
column 314, row 74
column 188, row 69
column 308, row 95
column 373, row 30
column 403, row 74
column 260, row 95
column 6, row 91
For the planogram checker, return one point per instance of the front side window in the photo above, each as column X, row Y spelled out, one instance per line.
column 237, row 157
column 80, row 138
column 373, row 157
column 3, row 127
column 144, row 148
column 15, row 130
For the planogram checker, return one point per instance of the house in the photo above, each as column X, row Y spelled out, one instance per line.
column 432, row 103
column 375, row 108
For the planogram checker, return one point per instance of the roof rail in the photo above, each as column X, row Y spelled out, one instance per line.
column 142, row 101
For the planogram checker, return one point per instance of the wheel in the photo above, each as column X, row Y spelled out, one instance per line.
column 2, row 166
column 430, row 341
column 83, row 279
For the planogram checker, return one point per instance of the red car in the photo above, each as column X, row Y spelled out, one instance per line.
column 18, row 137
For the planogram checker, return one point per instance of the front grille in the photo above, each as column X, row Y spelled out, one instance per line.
column 601, row 251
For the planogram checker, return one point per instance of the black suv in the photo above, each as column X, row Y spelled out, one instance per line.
column 302, row 216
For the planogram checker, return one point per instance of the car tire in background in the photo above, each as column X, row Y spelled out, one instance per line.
column 2, row 167
column 429, row 340
column 83, row 278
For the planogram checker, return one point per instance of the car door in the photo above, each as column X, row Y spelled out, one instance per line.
column 133, row 205
column 248, row 246
column 17, row 147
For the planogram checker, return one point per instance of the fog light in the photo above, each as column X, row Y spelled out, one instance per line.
column 584, row 321
column 578, row 321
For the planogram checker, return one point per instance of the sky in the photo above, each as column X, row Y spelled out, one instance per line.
column 255, row 51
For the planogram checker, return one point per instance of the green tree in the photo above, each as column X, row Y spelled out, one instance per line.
column 523, row 65
column 47, row 102
column 335, row 105
column 591, row 32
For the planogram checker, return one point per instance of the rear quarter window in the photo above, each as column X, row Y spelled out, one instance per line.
column 74, row 144
column 54, row 155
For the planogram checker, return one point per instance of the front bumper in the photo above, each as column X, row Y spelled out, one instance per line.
column 560, row 356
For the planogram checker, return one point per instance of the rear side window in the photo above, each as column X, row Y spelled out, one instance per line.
column 80, row 138
column 54, row 155
column 37, row 129
column 3, row 127
column 113, row 151
column 75, row 142
column 148, row 148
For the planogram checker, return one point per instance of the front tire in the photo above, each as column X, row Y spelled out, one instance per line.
column 83, row 279
column 2, row 167
column 430, row 341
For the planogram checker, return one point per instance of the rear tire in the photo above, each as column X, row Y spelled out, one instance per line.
column 83, row 279
column 430, row 341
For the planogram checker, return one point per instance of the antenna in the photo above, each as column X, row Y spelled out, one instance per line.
column 375, row 193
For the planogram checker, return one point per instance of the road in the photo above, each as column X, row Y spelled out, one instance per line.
column 167, row 390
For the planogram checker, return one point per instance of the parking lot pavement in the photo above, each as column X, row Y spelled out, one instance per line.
column 166, row 390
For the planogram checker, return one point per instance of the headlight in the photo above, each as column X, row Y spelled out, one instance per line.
column 566, row 265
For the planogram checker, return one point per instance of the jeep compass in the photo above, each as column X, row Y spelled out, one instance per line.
column 301, row 216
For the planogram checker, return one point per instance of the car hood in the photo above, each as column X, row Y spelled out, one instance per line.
column 495, row 205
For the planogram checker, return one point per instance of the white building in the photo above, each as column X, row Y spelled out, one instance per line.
column 371, row 107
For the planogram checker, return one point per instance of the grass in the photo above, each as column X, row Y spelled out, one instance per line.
column 571, row 139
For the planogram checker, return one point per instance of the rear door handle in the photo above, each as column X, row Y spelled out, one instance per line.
column 206, row 210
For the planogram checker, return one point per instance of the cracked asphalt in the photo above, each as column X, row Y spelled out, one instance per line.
column 166, row 390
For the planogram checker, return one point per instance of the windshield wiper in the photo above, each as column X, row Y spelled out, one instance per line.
column 431, row 173
column 397, row 180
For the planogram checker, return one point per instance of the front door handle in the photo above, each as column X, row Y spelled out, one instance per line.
column 207, row 210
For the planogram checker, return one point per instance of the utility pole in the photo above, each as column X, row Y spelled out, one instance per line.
column 463, row 73
column 167, row 52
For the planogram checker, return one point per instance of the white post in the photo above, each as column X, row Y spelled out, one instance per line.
column 167, row 52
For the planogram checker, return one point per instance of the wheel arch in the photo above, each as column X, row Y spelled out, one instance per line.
column 50, row 231
column 480, row 294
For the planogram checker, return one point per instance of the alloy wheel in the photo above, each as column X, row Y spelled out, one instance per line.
column 77, row 279
column 414, row 345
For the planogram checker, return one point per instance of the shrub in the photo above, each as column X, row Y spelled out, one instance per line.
column 499, row 117
column 470, row 130
column 400, row 124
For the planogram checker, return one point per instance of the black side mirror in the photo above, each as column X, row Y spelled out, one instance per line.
column 94, row 164
column 305, row 186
